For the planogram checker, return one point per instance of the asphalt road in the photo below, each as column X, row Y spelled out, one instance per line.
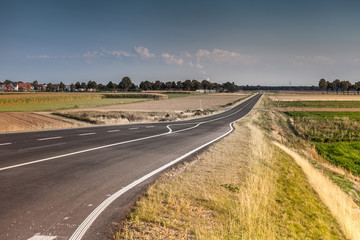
column 73, row 183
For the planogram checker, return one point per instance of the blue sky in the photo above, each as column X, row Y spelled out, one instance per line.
column 247, row 42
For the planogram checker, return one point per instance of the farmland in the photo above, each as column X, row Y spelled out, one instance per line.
column 316, row 104
column 336, row 135
column 53, row 101
column 82, row 109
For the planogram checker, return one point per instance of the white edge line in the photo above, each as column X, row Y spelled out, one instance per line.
column 128, row 124
column 49, row 138
column 84, row 134
column 84, row 226
column 3, row 144
column 110, row 145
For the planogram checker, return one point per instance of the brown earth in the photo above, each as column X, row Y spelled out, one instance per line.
column 20, row 121
column 26, row 121
column 194, row 102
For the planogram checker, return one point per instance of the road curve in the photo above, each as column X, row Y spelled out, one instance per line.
column 72, row 183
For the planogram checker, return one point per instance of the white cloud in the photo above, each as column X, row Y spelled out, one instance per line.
column 39, row 57
column 143, row 52
column 187, row 54
column 171, row 59
column 354, row 60
column 301, row 60
column 90, row 54
column 224, row 56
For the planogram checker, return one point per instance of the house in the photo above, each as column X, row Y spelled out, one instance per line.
column 25, row 87
column 2, row 88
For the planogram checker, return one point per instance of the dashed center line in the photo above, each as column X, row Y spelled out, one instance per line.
column 3, row 144
column 85, row 134
column 49, row 138
column 115, row 130
column 149, row 126
column 133, row 128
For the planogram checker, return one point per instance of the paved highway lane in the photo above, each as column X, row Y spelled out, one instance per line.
column 58, row 183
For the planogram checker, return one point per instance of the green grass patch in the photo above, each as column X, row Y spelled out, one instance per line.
column 49, row 106
column 344, row 154
column 324, row 115
column 298, row 212
column 316, row 104
column 327, row 126
column 177, row 95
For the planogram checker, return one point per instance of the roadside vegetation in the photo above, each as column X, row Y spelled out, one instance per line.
column 315, row 104
column 243, row 187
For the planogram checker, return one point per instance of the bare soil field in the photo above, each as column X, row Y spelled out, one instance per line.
column 27, row 121
column 16, row 122
column 194, row 102
column 313, row 97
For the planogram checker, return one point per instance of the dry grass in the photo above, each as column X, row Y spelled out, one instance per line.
column 241, row 188
column 339, row 203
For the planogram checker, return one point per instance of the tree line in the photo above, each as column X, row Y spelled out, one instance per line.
column 127, row 85
column 336, row 85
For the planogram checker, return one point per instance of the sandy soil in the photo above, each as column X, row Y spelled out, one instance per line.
column 314, row 97
column 19, row 121
column 206, row 101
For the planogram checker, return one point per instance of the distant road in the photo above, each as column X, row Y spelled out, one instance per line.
column 73, row 183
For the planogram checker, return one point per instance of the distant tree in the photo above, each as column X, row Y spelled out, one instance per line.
column 91, row 85
column 125, row 83
column 313, row 88
column 77, row 85
column 187, row 85
column 337, row 85
column 195, row 85
column 323, row 84
column 332, row 86
column 72, row 87
column 145, row 85
column 230, row 87
column 157, row 85
column 35, row 84
column 344, row 86
column 205, row 84
column 101, row 87
column 62, row 86
column 111, row 86
column 328, row 86
column 357, row 86
column 8, row 81
column 83, row 85
column 49, row 87
column 179, row 85
column 168, row 85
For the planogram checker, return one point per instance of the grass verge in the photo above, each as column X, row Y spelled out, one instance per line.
column 340, row 204
column 241, row 188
